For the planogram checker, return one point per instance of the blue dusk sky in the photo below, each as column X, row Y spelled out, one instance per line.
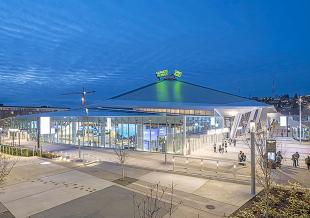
column 50, row 47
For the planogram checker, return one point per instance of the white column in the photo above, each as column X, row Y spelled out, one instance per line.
column 73, row 133
column 102, row 125
column 184, row 136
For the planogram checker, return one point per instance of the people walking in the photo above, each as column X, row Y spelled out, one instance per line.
column 243, row 157
column 297, row 157
column 240, row 157
column 220, row 148
column 307, row 160
column 294, row 160
column 279, row 158
column 234, row 142
column 214, row 147
column 226, row 147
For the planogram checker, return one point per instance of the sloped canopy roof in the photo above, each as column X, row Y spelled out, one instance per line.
column 175, row 93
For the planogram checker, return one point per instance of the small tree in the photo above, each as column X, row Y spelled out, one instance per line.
column 121, row 156
column 264, row 173
column 153, row 203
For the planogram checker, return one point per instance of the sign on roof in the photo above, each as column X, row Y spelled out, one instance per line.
column 177, row 73
column 161, row 74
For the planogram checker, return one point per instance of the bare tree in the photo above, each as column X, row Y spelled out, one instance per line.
column 121, row 156
column 6, row 166
column 158, row 200
column 264, row 170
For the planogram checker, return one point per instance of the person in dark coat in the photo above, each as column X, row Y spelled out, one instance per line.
column 307, row 160
column 294, row 160
column 279, row 158
column 297, row 157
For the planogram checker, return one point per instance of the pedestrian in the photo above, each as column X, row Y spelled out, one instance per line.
column 214, row 147
column 240, row 157
column 307, row 161
column 234, row 142
column 279, row 158
column 294, row 160
column 297, row 157
column 243, row 157
column 220, row 149
column 226, row 147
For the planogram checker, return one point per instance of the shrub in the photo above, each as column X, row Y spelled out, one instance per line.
column 25, row 152
column 285, row 201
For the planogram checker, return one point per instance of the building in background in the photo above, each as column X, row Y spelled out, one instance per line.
column 166, row 116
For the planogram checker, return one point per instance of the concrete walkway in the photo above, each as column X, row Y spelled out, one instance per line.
column 42, row 188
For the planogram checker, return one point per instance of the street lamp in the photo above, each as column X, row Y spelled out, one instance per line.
column 300, row 102
column 252, row 131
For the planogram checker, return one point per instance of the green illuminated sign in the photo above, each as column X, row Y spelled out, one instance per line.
column 177, row 73
column 162, row 73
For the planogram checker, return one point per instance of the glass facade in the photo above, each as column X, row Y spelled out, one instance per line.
column 158, row 133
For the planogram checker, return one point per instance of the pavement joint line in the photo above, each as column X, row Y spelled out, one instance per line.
column 166, row 200
column 185, row 193
column 288, row 175
column 237, row 181
column 188, row 200
column 179, row 196
column 31, row 195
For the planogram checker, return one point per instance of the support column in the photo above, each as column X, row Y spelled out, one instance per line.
column 102, row 128
column 38, row 133
column 253, row 183
column 74, row 132
column 184, row 136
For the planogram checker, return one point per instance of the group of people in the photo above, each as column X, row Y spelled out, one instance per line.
column 223, row 147
column 241, row 158
column 295, row 159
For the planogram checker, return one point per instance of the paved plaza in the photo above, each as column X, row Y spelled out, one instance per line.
column 66, row 187
column 41, row 188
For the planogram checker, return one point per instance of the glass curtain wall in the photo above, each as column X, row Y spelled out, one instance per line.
column 203, row 131
column 142, row 133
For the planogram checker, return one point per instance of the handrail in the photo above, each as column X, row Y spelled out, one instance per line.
column 202, row 158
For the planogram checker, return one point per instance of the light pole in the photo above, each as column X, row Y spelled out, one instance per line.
column 300, row 101
column 252, row 131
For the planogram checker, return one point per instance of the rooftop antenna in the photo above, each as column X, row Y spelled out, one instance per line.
column 82, row 93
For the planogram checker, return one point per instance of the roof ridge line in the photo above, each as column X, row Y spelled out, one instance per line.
column 214, row 89
column 142, row 87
